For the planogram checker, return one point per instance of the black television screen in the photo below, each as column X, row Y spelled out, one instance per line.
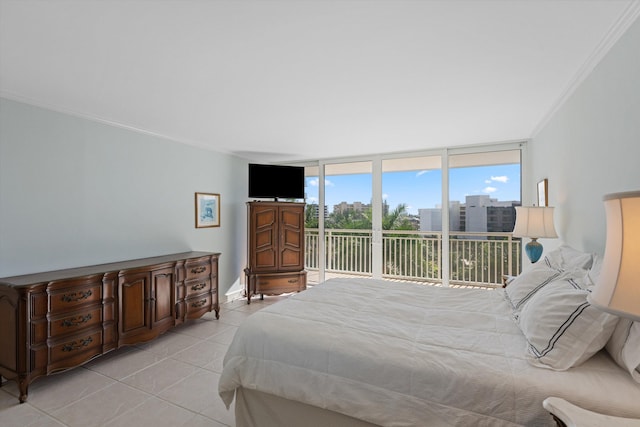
column 275, row 181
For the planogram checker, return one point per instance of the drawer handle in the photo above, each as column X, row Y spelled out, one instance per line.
column 73, row 346
column 75, row 297
column 292, row 280
column 198, row 269
column 199, row 303
column 75, row 321
column 198, row 286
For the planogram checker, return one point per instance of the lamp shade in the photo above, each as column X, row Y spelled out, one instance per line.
column 618, row 287
column 535, row 222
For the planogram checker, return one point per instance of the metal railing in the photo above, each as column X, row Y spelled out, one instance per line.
column 474, row 258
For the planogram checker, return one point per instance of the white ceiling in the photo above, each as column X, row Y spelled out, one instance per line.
column 294, row 80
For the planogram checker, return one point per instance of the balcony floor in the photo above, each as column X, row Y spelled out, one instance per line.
column 313, row 278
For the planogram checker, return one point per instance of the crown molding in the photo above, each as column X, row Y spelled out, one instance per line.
column 62, row 110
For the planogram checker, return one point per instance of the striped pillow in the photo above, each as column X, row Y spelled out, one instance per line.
column 525, row 285
column 561, row 327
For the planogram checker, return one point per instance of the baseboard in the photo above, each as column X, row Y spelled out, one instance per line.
column 231, row 296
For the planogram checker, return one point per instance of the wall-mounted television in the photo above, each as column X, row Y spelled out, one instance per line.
column 276, row 182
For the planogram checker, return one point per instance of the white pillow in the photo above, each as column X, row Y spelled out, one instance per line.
column 526, row 284
column 567, row 258
column 624, row 347
column 561, row 260
column 561, row 327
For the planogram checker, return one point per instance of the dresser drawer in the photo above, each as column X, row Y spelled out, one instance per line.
column 61, row 325
column 197, row 269
column 195, row 287
column 198, row 305
column 76, row 322
column 63, row 300
column 90, row 343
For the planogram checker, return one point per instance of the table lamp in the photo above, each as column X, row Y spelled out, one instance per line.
column 534, row 222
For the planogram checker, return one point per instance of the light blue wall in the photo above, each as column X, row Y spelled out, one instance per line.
column 591, row 146
column 76, row 192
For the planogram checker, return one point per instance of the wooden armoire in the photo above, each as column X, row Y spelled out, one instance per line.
column 275, row 249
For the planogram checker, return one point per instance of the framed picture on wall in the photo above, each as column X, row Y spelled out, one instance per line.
column 207, row 210
column 543, row 198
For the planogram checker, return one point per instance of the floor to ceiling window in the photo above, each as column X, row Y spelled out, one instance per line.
column 411, row 242
column 384, row 217
column 348, row 224
column 484, row 189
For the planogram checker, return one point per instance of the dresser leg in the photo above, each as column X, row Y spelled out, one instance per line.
column 23, row 386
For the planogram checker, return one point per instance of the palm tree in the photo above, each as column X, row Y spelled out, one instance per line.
column 397, row 219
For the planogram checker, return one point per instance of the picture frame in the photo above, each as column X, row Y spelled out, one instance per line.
column 543, row 197
column 207, row 210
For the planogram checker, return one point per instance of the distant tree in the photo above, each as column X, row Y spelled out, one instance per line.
column 311, row 213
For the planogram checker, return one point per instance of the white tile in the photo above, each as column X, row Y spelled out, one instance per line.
column 154, row 413
column 202, row 329
column 121, row 364
column 55, row 391
column 169, row 344
column 234, row 318
column 202, row 421
column 158, row 377
column 101, row 407
column 225, row 337
column 13, row 413
column 202, row 353
column 250, row 308
column 196, row 392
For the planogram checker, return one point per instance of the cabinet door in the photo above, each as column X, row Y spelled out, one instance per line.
column 263, row 238
column 291, row 249
column 134, row 317
column 162, row 299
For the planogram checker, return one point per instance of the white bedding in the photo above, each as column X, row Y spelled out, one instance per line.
column 399, row 354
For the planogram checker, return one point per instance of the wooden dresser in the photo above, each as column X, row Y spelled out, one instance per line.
column 275, row 248
column 54, row 321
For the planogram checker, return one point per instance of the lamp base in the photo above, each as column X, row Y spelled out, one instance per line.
column 533, row 250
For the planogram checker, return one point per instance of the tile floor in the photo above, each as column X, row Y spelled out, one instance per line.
column 171, row 381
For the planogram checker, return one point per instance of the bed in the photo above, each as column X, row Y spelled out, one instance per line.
column 361, row 352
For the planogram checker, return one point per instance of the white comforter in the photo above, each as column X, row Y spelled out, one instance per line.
column 398, row 354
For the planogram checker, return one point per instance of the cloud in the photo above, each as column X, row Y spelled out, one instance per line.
column 489, row 190
column 314, row 182
column 421, row 173
column 385, row 196
column 504, row 179
column 312, row 200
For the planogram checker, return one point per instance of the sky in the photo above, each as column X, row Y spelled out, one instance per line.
column 421, row 189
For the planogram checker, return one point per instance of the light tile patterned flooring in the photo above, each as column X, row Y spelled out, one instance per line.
column 171, row 381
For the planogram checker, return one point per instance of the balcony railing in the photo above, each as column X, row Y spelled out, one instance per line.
column 474, row 258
